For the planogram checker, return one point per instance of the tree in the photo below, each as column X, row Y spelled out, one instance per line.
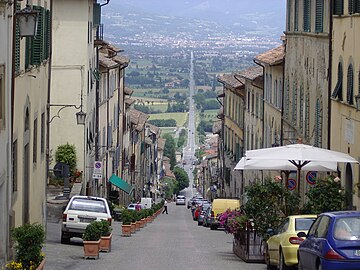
column 169, row 149
column 66, row 153
column 182, row 179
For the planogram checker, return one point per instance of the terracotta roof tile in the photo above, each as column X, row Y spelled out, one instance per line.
column 251, row 73
column 128, row 91
column 107, row 62
column 272, row 57
column 229, row 80
column 153, row 128
column 121, row 59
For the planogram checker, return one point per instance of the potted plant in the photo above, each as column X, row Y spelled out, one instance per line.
column 106, row 235
column 91, row 240
column 133, row 221
column 126, row 220
column 29, row 240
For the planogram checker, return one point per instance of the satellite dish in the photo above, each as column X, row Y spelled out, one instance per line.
column 61, row 170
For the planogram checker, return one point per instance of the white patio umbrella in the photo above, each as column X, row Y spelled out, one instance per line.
column 299, row 155
column 285, row 165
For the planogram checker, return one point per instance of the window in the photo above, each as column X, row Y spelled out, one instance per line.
column 350, row 85
column 307, row 14
column 37, row 48
column 2, row 97
column 351, row 6
column 319, row 16
column 338, row 7
column 42, row 134
column 27, row 126
column 35, row 142
column 323, row 227
column 14, row 167
column 338, row 88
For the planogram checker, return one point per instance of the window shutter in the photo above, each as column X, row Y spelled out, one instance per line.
column 96, row 14
column 319, row 16
column 296, row 15
column 338, row 88
column 318, row 124
column 47, row 34
column 17, row 44
column 357, row 6
column 351, row 6
column 338, row 7
column 28, row 51
column 37, row 50
column 307, row 16
column 350, row 85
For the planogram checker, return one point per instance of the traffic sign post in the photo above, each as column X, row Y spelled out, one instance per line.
column 97, row 172
column 311, row 178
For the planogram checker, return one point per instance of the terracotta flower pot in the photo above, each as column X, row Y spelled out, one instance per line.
column 133, row 227
column 126, row 230
column 91, row 249
column 105, row 243
column 137, row 225
column 143, row 220
column 41, row 265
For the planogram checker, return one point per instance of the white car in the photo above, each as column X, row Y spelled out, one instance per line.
column 81, row 211
column 180, row 200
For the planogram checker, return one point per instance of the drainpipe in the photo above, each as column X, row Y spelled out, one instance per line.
column 330, row 74
column 47, row 153
column 263, row 102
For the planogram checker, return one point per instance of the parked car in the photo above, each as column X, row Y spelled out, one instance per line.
column 180, row 200
column 203, row 209
column 333, row 242
column 220, row 206
column 207, row 217
column 193, row 199
column 282, row 246
column 81, row 211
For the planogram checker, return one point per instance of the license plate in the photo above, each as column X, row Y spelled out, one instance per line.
column 86, row 220
column 357, row 252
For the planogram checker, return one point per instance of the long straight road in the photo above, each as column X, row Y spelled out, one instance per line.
column 172, row 241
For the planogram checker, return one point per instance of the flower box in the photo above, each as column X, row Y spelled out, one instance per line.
column 91, row 249
column 105, row 243
column 249, row 246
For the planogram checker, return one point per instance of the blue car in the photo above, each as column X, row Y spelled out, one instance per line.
column 332, row 243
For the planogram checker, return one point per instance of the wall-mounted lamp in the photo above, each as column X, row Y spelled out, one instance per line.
column 27, row 19
column 357, row 102
column 80, row 116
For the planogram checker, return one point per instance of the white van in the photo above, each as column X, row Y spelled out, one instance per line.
column 146, row 203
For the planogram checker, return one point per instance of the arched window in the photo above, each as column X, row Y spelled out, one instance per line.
column 27, row 120
column 350, row 85
column 338, row 88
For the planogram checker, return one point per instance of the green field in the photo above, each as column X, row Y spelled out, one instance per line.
column 180, row 118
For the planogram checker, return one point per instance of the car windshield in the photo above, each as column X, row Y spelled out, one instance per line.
column 89, row 205
column 347, row 229
column 303, row 224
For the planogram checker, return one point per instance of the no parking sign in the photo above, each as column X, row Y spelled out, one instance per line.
column 291, row 184
column 311, row 178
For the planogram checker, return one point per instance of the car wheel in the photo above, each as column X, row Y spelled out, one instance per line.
column 282, row 265
column 319, row 266
column 267, row 259
column 64, row 239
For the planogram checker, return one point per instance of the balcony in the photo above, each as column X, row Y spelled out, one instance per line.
column 99, row 36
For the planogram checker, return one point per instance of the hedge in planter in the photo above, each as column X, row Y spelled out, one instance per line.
column 29, row 240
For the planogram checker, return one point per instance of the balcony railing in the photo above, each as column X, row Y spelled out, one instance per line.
column 99, row 37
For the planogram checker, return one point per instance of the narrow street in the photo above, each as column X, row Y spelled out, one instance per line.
column 172, row 241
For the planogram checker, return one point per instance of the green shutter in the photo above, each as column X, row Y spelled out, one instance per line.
column 351, row 6
column 47, row 34
column 307, row 12
column 96, row 14
column 338, row 7
column 38, row 42
column 319, row 17
column 17, row 44
column 296, row 15
column 357, row 6
column 28, row 51
column 350, row 85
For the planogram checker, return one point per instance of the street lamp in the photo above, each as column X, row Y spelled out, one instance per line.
column 27, row 19
column 80, row 117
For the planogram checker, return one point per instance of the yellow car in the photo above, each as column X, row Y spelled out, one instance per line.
column 282, row 246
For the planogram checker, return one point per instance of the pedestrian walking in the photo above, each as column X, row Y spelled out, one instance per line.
column 165, row 207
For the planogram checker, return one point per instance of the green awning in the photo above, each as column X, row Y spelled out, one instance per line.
column 123, row 185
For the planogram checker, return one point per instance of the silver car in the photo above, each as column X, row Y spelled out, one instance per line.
column 180, row 200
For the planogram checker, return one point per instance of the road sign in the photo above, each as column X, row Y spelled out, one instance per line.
column 97, row 175
column 311, row 178
column 291, row 184
column 97, row 167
